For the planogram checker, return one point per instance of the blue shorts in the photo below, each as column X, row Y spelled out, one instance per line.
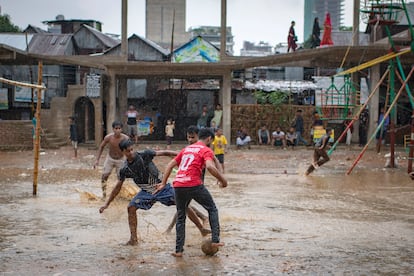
column 144, row 200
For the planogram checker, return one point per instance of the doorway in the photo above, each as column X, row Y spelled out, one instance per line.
column 85, row 119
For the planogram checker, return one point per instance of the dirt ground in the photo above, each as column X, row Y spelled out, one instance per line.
column 274, row 220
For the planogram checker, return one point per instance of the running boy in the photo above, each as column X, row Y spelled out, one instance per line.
column 320, row 151
column 114, row 159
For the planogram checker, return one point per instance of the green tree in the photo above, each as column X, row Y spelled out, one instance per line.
column 6, row 26
column 275, row 98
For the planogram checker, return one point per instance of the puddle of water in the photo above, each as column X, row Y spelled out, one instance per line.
column 272, row 223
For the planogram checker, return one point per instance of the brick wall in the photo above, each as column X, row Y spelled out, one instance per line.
column 16, row 134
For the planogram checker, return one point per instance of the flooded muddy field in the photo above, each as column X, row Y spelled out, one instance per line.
column 274, row 220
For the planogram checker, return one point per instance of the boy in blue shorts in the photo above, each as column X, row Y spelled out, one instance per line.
column 140, row 167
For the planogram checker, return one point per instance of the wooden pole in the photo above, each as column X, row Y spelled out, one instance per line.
column 22, row 84
column 172, row 37
column 36, row 145
column 411, row 147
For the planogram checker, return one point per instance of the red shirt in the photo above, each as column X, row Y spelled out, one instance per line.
column 191, row 161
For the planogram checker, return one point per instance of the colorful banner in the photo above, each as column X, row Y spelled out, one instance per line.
column 24, row 94
column 144, row 128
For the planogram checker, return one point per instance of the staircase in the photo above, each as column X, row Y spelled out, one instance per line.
column 50, row 141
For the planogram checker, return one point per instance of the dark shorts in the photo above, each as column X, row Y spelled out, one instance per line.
column 278, row 143
column 289, row 143
column 220, row 158
column 169, row 140
column 144, row 200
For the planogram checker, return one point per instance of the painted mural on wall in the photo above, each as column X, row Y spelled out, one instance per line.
column 196, row 50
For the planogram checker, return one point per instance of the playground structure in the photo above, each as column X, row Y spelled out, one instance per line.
column 339, row 103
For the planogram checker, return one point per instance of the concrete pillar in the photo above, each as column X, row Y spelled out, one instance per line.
column 111, row 104
column 355, row 38
column 98, row 120
column 226, row 92
column 122, row 99
column 124, row 27
column 223, row 30
column 373, row 104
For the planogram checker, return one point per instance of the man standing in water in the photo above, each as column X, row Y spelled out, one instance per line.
column 140, row 167
column 188, row 185
column 114, row 159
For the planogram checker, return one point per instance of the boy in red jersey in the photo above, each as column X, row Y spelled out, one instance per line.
column 188, row 185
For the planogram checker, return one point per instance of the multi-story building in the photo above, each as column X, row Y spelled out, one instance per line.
column 161, row 17
column 258, row 50
column 213, row 35
column 319, row 8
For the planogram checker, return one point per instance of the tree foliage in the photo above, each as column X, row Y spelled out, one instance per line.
column 275, row 98
column 6, row 26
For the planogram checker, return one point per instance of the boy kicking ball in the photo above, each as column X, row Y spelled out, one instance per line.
column 320, row 152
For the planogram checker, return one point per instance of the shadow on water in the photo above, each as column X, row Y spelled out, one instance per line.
column 272, row 223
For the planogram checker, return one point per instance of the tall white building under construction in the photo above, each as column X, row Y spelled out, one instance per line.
column 165, row 21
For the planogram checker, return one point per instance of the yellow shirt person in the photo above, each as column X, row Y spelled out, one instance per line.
column 219, row 146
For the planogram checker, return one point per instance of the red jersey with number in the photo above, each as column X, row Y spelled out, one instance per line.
column 191, row 161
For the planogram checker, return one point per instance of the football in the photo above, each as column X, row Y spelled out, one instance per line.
column 207, row 248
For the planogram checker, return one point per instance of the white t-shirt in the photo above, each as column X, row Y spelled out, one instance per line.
column 278, row 135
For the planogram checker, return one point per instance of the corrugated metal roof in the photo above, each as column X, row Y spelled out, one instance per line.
column 33, row 29
column 145, row 40
column 105, row 39
column 16, row 40
column 51, row 44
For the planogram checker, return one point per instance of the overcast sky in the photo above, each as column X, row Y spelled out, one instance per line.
column 251, row 20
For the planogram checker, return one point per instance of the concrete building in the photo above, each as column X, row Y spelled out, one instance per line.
column 161, row 17
column 257, row 50
column 63, row 26
column 319, row 8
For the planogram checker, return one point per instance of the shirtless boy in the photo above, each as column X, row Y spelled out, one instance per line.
column 115, row 157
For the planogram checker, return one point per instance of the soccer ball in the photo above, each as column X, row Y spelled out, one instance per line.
column 207, row 248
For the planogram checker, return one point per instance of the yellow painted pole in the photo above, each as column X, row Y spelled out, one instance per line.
column 373, row 62
column 36, row 145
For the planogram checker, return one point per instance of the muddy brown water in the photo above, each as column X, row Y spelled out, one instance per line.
column 274, row 220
